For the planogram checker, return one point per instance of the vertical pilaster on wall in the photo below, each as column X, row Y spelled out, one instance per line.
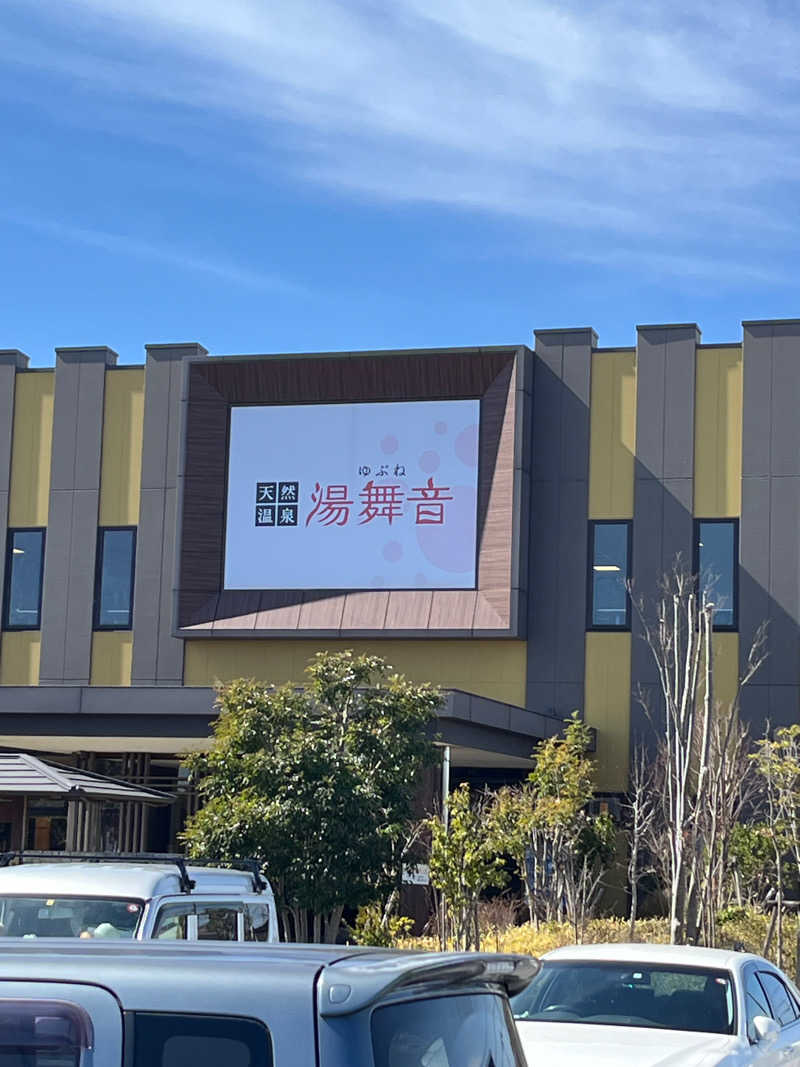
column 71, row 542
column 559, row 513
column 769, row 558
column 11, row 361
column 157, row 655
column 663, row 473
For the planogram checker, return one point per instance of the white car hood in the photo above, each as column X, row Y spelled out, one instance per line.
column 568, row 1044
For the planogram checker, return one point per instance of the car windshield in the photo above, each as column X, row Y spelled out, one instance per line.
column 69, row 917
column 455, row 1031
column 629, row 994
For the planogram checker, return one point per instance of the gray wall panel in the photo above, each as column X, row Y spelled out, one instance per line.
column 147, row 607
column 69, row 567
column 769, row 572
column 89, row 429
column 543, row 588
column 546, row 429
column 11, row 361
column 577, row 370
column 571, row 598
column 559, row 516
column 155, row 423
column 65, row 425
column 757, row 392
column 783, row 665
column 784, row 450
column 784, row 705
column 157, row 655
column 55, row 597
column 679, row 403
column 663, row 483
column 170, row 649
column 678, row 523
column 651, row 369
column 80, row 602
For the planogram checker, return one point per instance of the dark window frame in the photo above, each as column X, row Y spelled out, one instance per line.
column 8, row 565
column 721, row 627
column 590, row 623
column 98, row 577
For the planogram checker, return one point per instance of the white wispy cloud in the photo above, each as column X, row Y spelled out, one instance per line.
column 661, row 118
column 128, row 245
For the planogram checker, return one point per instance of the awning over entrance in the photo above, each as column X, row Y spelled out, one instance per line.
column 24, row 775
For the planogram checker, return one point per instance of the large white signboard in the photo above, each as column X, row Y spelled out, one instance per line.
column 353, row 496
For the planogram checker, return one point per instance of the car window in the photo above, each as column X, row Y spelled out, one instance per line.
column 217, row 922
column 601, row 993
column 165, row 1040
column 457, row 1031
column 69, row 917
column 42, row 1033
column 256, row 922
column 783, row 1009
column 172, row 922
column 756, row 1002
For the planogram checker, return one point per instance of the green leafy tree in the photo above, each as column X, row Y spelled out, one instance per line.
column 317, row 783
column 464, row 862
column 561, row 850
column 777, row 760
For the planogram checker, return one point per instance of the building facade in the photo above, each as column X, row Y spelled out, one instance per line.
column 470, row 514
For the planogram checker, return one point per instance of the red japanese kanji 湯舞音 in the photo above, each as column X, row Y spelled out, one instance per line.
column 381, row 502
column 331, row 506
column 430, row 505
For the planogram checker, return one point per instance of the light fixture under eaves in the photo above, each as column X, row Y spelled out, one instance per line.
column 606, row 567
column 18, row 551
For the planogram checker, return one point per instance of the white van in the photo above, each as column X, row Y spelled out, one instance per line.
column 137, row 898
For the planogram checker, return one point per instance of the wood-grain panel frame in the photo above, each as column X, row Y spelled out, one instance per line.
column 499, row 377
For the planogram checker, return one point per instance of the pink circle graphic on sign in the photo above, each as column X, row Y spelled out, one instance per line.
column 456, row 555
column 392, row 551
column 429, row 461
column 440, row 427
column 467, row 446
column 389, row 444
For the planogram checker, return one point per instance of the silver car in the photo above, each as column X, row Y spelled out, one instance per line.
column 150, row 1004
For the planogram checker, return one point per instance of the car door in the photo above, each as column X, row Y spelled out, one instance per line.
column 784, row 1011
column 59, row 1024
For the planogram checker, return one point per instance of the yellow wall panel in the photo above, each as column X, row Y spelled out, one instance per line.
column 111, row 657
column 31, row 445
column 493, row 669
column 612, row 435
column 121, row 470
column 725, row 662
column 19, row 657
column 608, row 706
column 718, row 433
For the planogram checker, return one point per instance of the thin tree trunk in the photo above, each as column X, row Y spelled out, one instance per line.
column 332, row 924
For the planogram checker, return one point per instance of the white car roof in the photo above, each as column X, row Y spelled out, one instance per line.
column 140, row 881
column 679, row 955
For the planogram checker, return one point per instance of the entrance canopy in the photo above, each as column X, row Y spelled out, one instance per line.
column 25, row 775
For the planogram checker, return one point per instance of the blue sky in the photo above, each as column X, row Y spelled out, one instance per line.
column 294, row 175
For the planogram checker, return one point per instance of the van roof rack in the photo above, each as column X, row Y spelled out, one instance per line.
column 250, row 866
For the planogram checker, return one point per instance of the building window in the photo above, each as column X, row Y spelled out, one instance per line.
column 113, row 602
column 23, row 585
column 715, row 564
column 609, row 572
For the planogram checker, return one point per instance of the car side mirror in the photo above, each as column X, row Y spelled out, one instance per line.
column 765, row 1029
